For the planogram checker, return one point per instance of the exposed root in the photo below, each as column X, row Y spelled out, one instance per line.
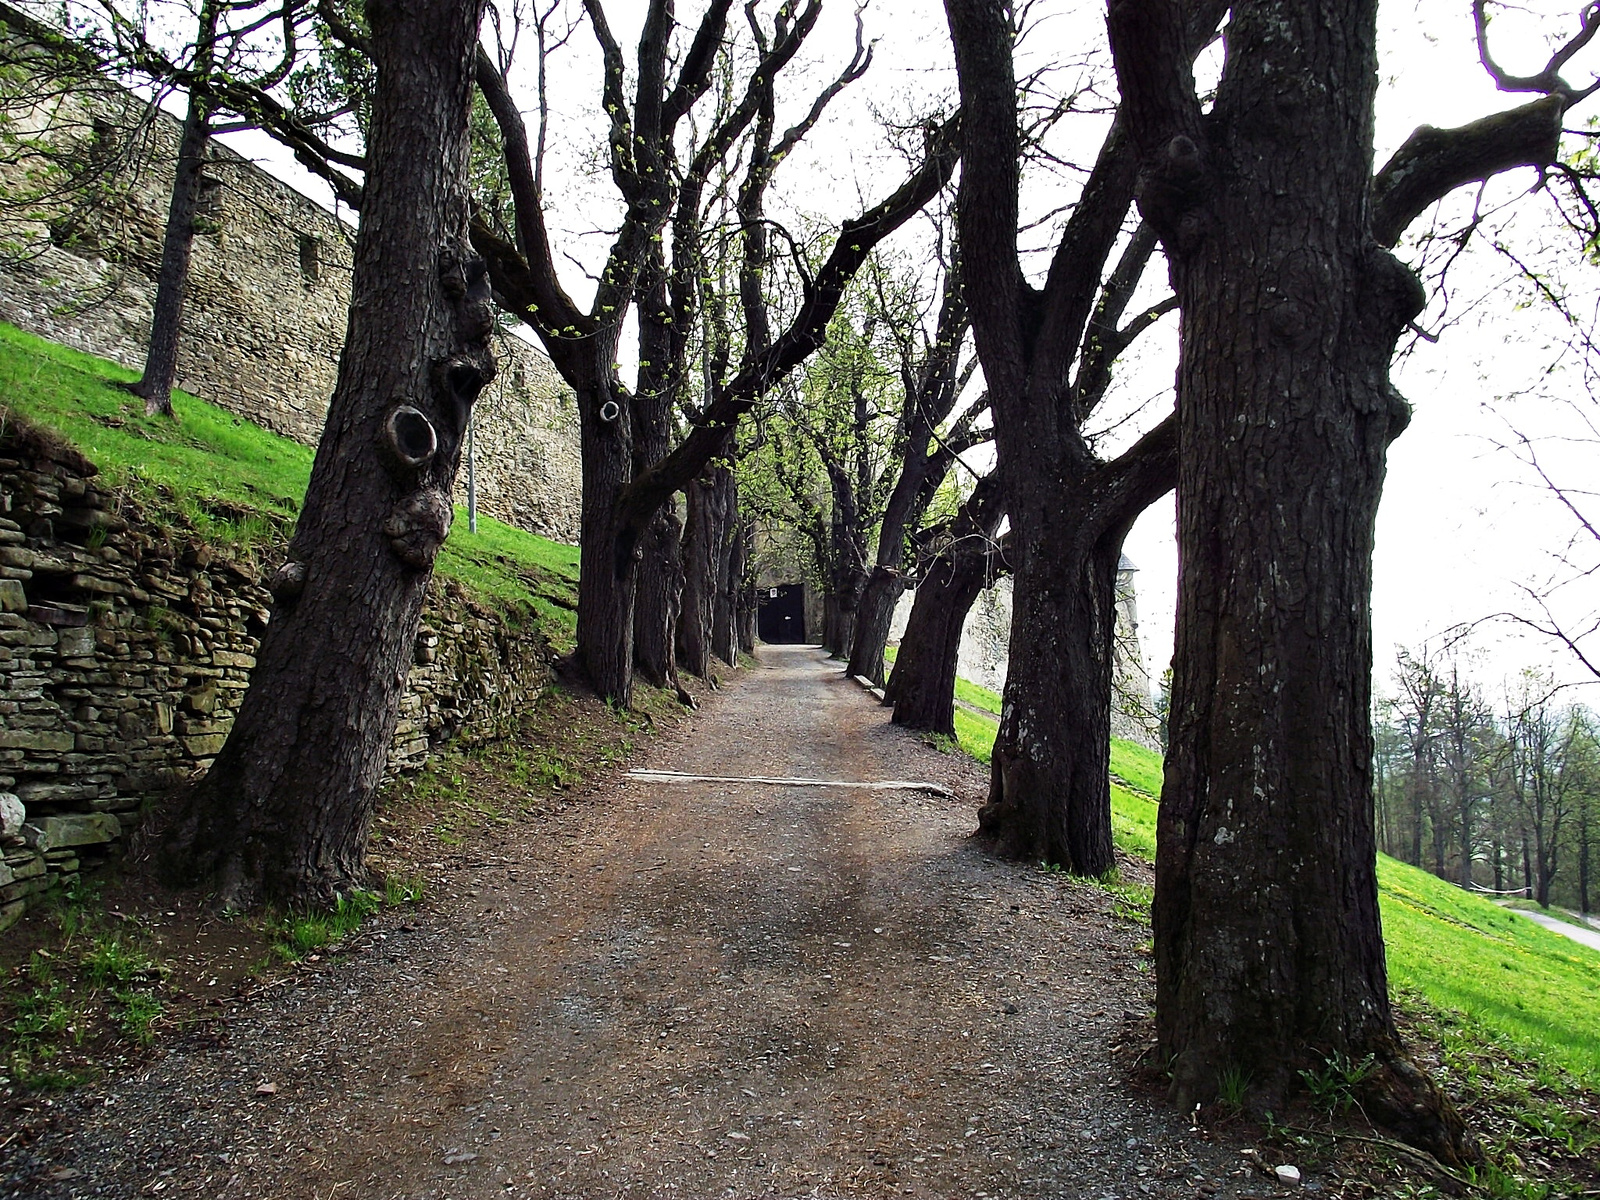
column 1400, row 1098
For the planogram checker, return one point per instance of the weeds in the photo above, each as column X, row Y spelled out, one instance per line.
column 1129, row 900
column 66, row 999
column 298, row 935
column 1232, row 1087
column 1333, row 1087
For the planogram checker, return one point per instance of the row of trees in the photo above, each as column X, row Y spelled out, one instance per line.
column 1261, row 194
column 1502, row 795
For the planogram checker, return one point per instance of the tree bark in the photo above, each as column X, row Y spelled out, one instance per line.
column 608, row 550
column 748, row 604
column 660, row 576
column 1048, row 794
column 922, row 685
column 1269, row 952
column 874, row 617
column 283, row 814
column 729, row 570
column 177, row 243
column 701, row 538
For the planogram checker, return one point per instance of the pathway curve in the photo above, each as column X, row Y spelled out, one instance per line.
column 695, row 990
column 1586, row 937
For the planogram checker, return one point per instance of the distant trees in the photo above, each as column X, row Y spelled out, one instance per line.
column 667, row 174
column 1503, row 801
column 854, row 457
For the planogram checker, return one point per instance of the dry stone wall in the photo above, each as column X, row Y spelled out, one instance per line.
column 269, row 290
column 125, row 650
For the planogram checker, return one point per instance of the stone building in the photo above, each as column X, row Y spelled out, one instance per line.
column 269, row 289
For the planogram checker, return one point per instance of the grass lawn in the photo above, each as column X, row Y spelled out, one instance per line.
column 239, row 485
column 1535, row 989
column 1532, row 990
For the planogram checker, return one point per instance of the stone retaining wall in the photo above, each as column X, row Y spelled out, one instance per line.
column 269, row 286
column 125, row 650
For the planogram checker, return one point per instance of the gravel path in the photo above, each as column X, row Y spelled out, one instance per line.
column 1586, row 937
column 695, row 990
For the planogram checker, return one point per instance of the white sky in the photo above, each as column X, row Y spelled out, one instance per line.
column 1461, row 524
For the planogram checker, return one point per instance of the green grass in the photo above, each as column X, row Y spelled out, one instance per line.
column 241, row 486
column 975, row 734
column 978, row 697
column 1535, row 989
column 1137, row 766
column 1532, row 990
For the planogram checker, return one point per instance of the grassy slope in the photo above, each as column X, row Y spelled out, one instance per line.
column 236, row 483
column 1531, row 988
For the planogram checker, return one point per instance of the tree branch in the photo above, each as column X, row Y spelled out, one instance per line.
column 1434, row 162
column 805, row 333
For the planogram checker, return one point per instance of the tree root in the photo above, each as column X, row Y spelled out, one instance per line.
column 1402, row 1099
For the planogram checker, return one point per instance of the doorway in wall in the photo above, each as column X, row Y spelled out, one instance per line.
column 782, row 616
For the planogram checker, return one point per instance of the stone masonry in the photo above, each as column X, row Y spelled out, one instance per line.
column 269, row 289
column 125, row 650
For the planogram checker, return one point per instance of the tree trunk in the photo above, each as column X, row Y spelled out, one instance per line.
column 1048, row 794
column 1545, row 860
column 699, row 586
column 284, row 812
column 1527, row 868
column 729, row 568
column 658, row 595
column 1466, row 832
column 1498, row 851
column 608, row 554
column 874, row 616
column 840, row 609
column 658, row 598
column 1583, row 856
column 749, row 603
column 1269, row 953
column 172, row 279
column 922, row 685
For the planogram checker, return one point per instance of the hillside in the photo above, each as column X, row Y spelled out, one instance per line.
column 1537, row 992
column 236, row 484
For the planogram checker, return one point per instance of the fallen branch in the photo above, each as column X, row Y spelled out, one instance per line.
column 887, row 785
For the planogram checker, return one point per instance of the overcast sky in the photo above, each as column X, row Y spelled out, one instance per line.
column 1463, row 526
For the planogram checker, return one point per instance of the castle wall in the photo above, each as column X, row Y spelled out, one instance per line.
column 269, row 290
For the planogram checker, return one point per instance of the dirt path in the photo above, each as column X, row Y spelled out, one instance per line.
column 1586, row 937
column 690, row 990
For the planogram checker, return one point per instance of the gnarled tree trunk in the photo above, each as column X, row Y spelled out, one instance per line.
column 1267, row 940
column 702, row 538
column 1049, row 795
column 923, row 683
column 874, row 618
column 922, row 686
column 284, row 812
